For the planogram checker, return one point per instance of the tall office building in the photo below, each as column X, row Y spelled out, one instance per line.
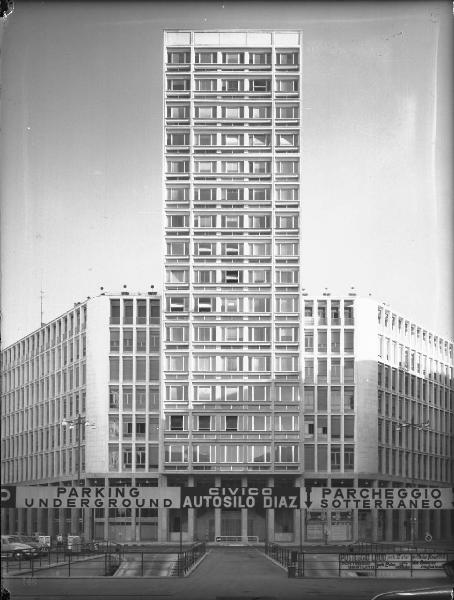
column 232, row 315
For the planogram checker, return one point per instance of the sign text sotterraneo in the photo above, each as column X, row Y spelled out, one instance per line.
column 380, row 498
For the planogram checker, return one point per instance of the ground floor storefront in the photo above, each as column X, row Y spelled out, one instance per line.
column 281, row 525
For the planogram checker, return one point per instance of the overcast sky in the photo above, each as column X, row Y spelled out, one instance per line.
column 81, row 118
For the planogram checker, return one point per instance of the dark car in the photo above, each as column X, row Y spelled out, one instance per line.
column 40, row 548
column 445, row 592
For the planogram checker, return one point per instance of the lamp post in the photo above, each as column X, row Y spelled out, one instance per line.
column 77, row 423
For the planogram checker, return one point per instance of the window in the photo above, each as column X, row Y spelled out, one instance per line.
column 177, row 304
column 349, row 374
column 286, row 112
column 203, row 453
column 127, row 399
column 259, row 364
column 322, row 427
column 231, row 423
column 349, row 458
column 175, row 393
column 232, row 334
column 286, row 363
column 114, row 428
column 177, row 166
column 205, row 194
column 176, row 422
column 202, row 393
column 287, row 222
column 231, row 304
column 206, row 57
column 286, row 58
column 232, row 276
column 114, row 340
column 205, row 112
column 259, row 58
column 287, row 453
column 178, row 139
column 286, row 304
column 127, row 340
column 286, row 86
column 336, row 401
column 205, row 304
column 322, row 398
column 259, row 139
column 259, row 194
column 205, row 166
column 128, row 312
column 286, row 334
column 231, row 454
column 286, row 422
column 176, row 453
column 286, row 140
column 140, row 428
column 154, row 368
column 205, row 249
column 260, row 112
column 232, row 112
column 176, row 363
column 259, row 277
column 232, row 194
column 348, row 340
column 259, row 334
column 177, row 248
column 205, row 85
column 127, row 427
column 260, row 85
column 180, row 194
column 232, row 85
column 178, row 85
column 335, row 427
column 231, row 221
column 258, row 454
column 178, row 58
column 114, row 398
column 205, row 334
column 259, row 167
column 349, row 427
column 177, row 334
column 205, row 139
column 233, row 58
column 232, row 166
column 127, row 369
column 204, row 363
column 309, row 457
column 141, row 398
column 141, row 369
column 232, row 139
column 335, row 341
column 127, row 458
column 204, row 422
column 178, row 111
column 335, row 458
column 287, row 249
column 287, row 167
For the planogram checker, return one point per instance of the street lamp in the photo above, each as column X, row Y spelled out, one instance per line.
column 78, row 423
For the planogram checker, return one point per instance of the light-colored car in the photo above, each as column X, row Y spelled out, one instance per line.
column 445, row 592
column 11, row 546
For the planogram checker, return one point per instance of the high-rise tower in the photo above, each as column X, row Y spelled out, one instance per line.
column 232, row 260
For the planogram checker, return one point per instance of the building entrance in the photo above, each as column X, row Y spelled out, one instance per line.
column 231, row 523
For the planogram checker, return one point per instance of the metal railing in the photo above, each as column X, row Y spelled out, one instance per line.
column 188, row 558
column 383, row 563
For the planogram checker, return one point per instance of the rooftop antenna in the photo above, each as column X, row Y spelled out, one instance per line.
column 41, row 296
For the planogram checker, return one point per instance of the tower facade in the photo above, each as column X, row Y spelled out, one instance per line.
column 232, row 259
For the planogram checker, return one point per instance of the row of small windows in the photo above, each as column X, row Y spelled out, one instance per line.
column 129, row 340
column 317, row 398
column 182, row 57
column 416, row 336
column 409, row 464
column 218, row 249
column 48, row 336
column 40, row 466
column 334, row 370
column 138, row 311
column 391, row 433
column 63, row 381
column 282, row 140
column 255, row 167
column 138, row 427
column 415, row 412
column 234, row 85
column 342, row 457
column 139, row 369
column 133, row 457
column 182, row 194
column 234, row 111
column 233, row 276
column 233, row 304
column 134, row 398
column 47, row 363
column 250, row 221
column 410, row 385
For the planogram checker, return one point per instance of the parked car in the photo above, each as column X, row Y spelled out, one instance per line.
column 12, row 546
column 42, row 549
column 445, row 592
